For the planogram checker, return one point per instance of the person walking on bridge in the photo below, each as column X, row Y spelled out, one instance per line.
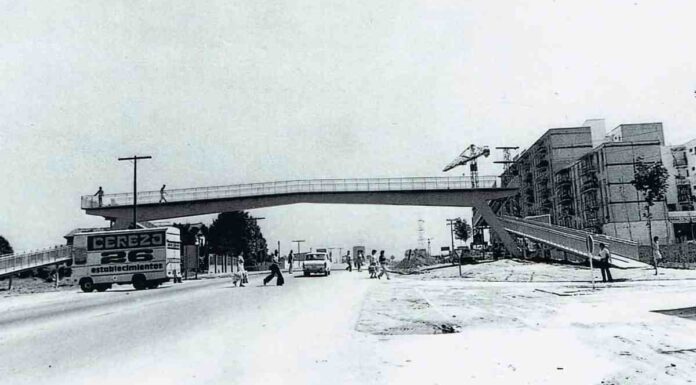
column 275, row 272
column 162, row 194
column 99, row 194
column 604, row 262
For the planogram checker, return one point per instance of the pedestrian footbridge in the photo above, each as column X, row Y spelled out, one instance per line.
column 407, row 191
column 624, row 253
column 16, row 263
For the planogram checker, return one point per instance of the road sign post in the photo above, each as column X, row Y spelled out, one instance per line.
column 590, row 250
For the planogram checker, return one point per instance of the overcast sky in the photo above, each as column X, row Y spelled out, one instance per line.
column 225, row 92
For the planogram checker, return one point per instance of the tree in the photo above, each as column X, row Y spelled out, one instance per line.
column 650, row 178
column 462, row 229
column 5, row 247
column 236, row 232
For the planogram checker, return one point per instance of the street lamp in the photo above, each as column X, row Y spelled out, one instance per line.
column 429, row 254
column 200, row 244
column 298, row 245
column 450, row 223
column 135, row 159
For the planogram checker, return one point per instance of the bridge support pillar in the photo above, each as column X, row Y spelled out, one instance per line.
column 492, row 220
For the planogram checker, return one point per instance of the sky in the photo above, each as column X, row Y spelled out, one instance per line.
column 227, row 92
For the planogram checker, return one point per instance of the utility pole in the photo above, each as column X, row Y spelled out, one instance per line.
column 298, row 245
column 450, row 223
column 429, row 239
column 135, row 159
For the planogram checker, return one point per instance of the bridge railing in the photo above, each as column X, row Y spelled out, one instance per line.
column 292, row 187
column 10, row 263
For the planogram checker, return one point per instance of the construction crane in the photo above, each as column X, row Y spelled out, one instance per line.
column 469, row 155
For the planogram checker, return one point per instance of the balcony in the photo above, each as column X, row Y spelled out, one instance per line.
column 567, row 212
column 563, row 180
column 591, row 205
column 565, row 197
column 542, row 164
column 589, row 184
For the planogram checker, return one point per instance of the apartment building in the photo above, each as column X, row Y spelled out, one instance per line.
column 585, row 183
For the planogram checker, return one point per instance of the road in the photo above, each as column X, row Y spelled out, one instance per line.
column 197, row 332
column 347, row 329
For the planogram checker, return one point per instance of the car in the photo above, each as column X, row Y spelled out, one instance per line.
column 318, row 263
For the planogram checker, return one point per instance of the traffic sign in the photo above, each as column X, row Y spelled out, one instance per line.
column 590, row 249
column 590, row 244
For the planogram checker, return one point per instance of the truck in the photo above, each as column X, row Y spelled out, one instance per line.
column 144, row 258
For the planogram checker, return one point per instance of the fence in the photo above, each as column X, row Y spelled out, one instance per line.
column 291, row 187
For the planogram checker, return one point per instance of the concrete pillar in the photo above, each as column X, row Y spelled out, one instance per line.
column 485, row 210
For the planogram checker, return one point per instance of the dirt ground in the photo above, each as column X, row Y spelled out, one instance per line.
column 626, row 332
column 21, row 286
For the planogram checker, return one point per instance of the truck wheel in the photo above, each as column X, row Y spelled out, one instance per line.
column 87, row 285
column 101, row 288
column 139, row 282
column 326, row 273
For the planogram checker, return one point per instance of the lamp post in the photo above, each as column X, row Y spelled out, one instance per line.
column 298, row 245
column 135, row 159
column 450, row 223
column 200, row 242
column 429, row 254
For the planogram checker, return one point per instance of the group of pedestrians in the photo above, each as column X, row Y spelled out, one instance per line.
column 377, row 265
column 604, row 261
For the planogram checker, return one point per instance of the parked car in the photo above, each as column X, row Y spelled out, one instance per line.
column 316, row 263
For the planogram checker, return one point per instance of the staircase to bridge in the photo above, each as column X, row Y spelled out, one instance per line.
column 624, row 252
column 11, row 264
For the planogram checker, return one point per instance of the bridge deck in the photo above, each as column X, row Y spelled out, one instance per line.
column 18, row 262
column 294, row 187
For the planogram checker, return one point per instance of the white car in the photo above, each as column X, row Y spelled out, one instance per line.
column 316, row 263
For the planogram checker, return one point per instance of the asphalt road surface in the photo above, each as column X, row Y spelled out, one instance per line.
column 197, row 332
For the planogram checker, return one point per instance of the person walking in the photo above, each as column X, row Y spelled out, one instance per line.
column 240, row 275
column 162, row 194
column 290, row 261
column 604, row 261
column 657, row 255
column 348, row 261
column 275, row 272
column 359, row 261
column 372, row 268
column 382, row 265
column 99, row 194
